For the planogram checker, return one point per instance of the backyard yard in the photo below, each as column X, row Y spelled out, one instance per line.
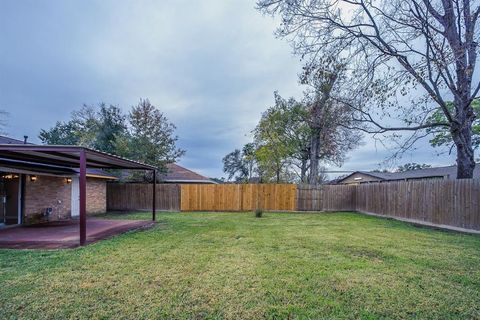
column 233, row 265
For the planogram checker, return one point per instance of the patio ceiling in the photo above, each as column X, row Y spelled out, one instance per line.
column 67, row 156
column 73, row 157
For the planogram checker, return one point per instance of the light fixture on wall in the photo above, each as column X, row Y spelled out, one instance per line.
column 68, row 180
column 33, row 178
column 10, row 176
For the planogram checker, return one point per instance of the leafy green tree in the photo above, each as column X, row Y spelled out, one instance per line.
column 218, row 180
column 144, row 134
column 293, row 137
column 96, row 128
column 151, row 137
column 249, row 160
column 63, row 133
column 442, row 137
column 240, row 164
column 282, row 138
column 412, row 166
column 233, row 165
column 87, row 122
column 109, row 125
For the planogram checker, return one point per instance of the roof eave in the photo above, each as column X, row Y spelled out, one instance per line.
column 190, row 181
column 116, row 161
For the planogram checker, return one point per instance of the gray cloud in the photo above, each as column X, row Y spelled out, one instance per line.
column 211, row 66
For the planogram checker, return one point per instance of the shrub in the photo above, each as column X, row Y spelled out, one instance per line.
column 258, row 213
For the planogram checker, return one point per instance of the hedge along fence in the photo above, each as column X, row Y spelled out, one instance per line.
column 443, row 203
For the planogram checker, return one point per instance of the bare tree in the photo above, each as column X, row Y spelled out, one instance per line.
column 397, row 46
column 330, row 118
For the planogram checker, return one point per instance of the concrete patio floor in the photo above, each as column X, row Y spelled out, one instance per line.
column 65, row 234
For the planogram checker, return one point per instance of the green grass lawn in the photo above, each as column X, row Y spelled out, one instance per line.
column 232, row 265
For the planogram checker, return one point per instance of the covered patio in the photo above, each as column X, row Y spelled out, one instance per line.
column 73, row 232
column 64, row 234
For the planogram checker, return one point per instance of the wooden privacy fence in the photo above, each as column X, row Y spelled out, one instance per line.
column 202, row 197
column 238, row 197
column 454, row 203
column 326, row 198
column 138, row 196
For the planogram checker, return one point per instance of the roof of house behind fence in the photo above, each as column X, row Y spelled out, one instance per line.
column 8, row 140
column 179, row 174
column 448, row 172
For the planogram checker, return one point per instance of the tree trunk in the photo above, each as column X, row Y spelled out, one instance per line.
column 317, row 122
column 314, row 152
column 461, row 131
column 465, row 154
column 303, row 170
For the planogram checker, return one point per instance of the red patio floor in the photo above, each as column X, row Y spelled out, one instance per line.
column 64, row 234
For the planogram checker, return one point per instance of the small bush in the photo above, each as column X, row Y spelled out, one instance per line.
column 258, row 213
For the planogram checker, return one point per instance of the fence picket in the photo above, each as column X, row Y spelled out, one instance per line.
column 442, row 202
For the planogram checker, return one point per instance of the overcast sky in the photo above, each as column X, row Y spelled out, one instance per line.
column 211, row 66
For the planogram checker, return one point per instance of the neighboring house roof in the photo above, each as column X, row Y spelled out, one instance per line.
column 179, row 174
column 8, row 140
column 449, row 172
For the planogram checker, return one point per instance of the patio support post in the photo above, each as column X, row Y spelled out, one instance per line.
column 154, row 195
column 83, row 197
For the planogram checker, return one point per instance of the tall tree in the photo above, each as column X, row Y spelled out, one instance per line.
column 249, row 160
column 93, row 127
column 152, row 136
column 294, row 137
column 282, row 137
column 442, row 136
column 397, row 46
column 240, row 164
column 145, row 134
column 63, row 133
column 234, row 166
column 110, row 125
column 330, row 117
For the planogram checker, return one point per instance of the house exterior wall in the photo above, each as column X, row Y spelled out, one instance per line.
column 364, row 179
column 96, row 195
column 56, row 193
column 46, row 192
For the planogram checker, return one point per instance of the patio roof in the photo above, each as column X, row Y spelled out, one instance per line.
column 67, row 156
column 73, row 157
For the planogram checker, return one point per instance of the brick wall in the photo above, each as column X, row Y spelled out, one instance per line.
column 47, row 192
column 96, row 195
column 55, row 192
